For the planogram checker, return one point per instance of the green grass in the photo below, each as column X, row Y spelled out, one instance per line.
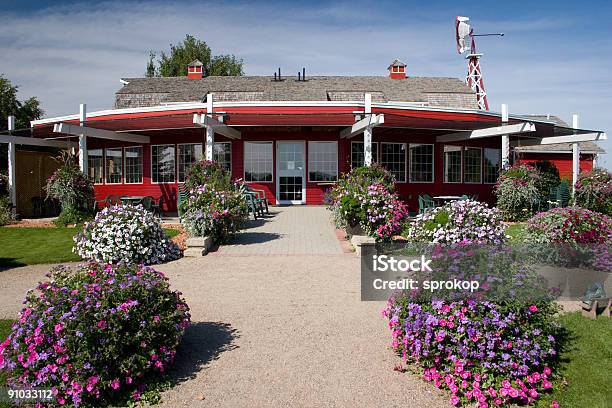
column 515, row 231
column 586, row 364
column 29, row 246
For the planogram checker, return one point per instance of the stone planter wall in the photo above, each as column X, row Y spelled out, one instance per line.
column 197, row 246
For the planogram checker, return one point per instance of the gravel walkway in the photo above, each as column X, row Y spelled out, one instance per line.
column 274, row 331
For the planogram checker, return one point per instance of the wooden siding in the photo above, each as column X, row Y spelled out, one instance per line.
column 562, row 161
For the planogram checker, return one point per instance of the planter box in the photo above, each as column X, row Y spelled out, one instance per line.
column 197, row 246
column 358, row 240
column 356, row 230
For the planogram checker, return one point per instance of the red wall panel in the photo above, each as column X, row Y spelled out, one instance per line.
column 562, row 161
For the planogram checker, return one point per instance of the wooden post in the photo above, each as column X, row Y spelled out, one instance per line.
column 12, row 174
column 210, row 132
column 575, row 157
column 505, row 139
column 367, row 133
column 83, row 139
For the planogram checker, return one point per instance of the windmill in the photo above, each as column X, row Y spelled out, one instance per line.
column 465, row 42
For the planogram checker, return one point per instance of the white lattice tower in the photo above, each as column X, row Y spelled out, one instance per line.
column 475, row 81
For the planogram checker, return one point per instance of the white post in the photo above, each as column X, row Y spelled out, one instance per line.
column 12, row 175
column 367, row 133
column 575, row 156
column 210, row 132
column 505, row 139
column 83, row 139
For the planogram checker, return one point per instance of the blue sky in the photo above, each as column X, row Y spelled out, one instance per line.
column 555, row 57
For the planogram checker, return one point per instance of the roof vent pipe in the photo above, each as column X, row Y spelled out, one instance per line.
column 279, row 74
column 303, row 74
column 299, row 73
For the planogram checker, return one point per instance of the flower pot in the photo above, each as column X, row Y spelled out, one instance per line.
column 354, row 230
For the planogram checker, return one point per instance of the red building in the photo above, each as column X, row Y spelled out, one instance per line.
column 293, row 136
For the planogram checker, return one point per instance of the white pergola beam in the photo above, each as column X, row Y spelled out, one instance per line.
column 218, row 126
column 585, row 137
column 524, row 127
column 82, row 139
column 370, row 121
column 33, row 141
column 76, row 130
column 12, row 165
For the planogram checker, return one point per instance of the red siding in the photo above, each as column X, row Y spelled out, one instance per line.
column 562, row 161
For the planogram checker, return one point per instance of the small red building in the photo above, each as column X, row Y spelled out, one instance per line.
column 293, row 136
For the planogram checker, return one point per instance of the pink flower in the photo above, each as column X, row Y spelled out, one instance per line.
column 59, row 327
column 497, row 401
column 546, row 384
column 547, row 371
column 102, row 324
column 555, row 404
column 533, row 308
column 454, row 400
column 533, row 393
column 115, row 384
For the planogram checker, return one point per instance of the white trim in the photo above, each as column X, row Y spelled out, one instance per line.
column 370, row 121
column 175, row 163
column 380, row 155
column 433, row 164
column 273, row 161
column 481, row 165
column 444, row 169
column 278, row 174
column 361, row 141
column 487, row 132
column 34, row 141
column 125, row 167
column 103, row 165
column 556, row 151
column 178, row 155
column 307, row 153
column 106, row 182
column 75, row 130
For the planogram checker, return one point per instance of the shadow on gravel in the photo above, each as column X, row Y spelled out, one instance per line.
column 202, row 343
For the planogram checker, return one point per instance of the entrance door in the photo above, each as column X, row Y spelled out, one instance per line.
column 290, row 172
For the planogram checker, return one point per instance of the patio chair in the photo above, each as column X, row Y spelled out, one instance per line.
column 425, row 203
column 157, row 206
column 251, row 204
column 464, row 197
column 260, row 197
column 180, row 197
column 553, row 198
column 564, row 193
column 112, row 200
column 147, row 203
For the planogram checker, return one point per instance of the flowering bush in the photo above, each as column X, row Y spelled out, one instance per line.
column 458, row 221
column 518, row 192
column 577, row 235
column 125, row 233
column 72, row 189
column 207, row 173
column 6, row 216
column 594, row 191
column 218, row 214
column 97, row 335
column 491, row 354
column 365, row 198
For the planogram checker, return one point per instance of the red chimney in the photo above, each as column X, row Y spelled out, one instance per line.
column 397, row 70
column 194, row 70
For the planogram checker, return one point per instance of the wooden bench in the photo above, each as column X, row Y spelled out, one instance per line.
column 589, row 309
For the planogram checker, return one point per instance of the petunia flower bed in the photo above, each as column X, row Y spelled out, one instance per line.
column 125, row 233
column 458, row 221
column 96, row 336
column 482, row 352
column 594, row 191
column 518, row 192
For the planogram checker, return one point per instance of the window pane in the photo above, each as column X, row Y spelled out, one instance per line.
column 163, row 164
column 133, row 164
column 421, row 163
column 393, row 158
column 492, row 162
column 452, row 164
column 188, row 154
column 258, row 161
column 114, row 157
column 95, row 165
column 357, row 155
column 322, row 161
column 222, row 154
column 472, row 165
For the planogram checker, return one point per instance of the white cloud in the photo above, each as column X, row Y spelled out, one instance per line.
column 73, row 54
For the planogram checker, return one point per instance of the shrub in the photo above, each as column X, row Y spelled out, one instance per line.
column 6, row 215
column 518, row 192
column 125, row 233
column 207, row 173
column 458, row 221
column 218, row 214
column 364, row 197
column 594, row 191
column 549, row 176
column 95, row 336
column 495, row 354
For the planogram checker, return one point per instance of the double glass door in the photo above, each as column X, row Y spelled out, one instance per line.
column 290, row 172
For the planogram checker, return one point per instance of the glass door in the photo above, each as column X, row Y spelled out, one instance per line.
column 290, row 172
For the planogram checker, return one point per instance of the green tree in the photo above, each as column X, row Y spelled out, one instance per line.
column 24, row 112
column 175, row 62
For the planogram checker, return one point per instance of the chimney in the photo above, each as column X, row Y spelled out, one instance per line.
column 397, row 70
column 194, row 70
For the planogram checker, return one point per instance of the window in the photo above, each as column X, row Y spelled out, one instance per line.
column 188, row 154
column 95, row 165
column 421, row 163
column 472, row 165
column 452, row 164
column 222, row 154
column 163, row 166
column 358, row 157
column 114, row 159
column 322, row 161
column 258, row 161
column 492, row 162
column 133, row 164
column 393, row 158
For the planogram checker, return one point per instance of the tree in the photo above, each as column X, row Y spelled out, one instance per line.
column 175, row 63
column 24, row 112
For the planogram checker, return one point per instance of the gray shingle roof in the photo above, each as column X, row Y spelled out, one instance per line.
column 316, row 88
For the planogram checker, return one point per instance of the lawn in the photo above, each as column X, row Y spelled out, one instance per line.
column 515, row 231
column 29, row 246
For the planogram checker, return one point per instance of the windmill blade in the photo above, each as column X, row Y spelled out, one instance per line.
column 462, row 30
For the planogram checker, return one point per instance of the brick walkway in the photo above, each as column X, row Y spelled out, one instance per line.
column 296, row 230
